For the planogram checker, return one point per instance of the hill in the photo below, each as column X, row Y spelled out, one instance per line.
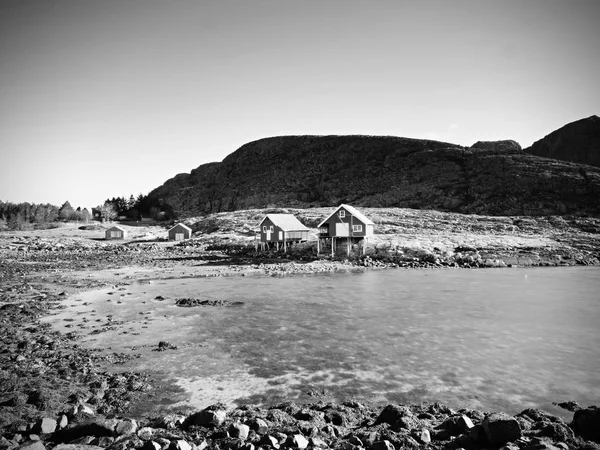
column 577, row 142
column 384, row 171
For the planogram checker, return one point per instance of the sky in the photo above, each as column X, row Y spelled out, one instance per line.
column 100, row 99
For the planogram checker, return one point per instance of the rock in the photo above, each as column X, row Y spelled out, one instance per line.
column 151, row 445
column 569, row 406
column 45, row 425
column 318, row 442
column 465, row 423
column 269, row 440
column 145, row 433
column 126, row 426
column 391, row 414
column 96, row 428
column 383, row 445
column 500, row 428
column 238, row 430
column 586, row 423
column 424, row 436
column 207, row 418
column 259, row 426
column 32, row 445
column 297, row 441
column 77, row 447
column 63, row 422
column 180, row 445
column 506, row 145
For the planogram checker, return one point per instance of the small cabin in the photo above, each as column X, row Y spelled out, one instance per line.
column 281, row 229
column 345, row 222
column 115, row 232
column 180, row 232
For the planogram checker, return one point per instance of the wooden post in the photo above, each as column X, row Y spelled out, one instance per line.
column 318, row 244
column 332, row 249
column 348, row 245
column 284, row 246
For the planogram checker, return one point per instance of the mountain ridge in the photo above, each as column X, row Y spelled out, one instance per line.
column 577, row 142
column 496, row 178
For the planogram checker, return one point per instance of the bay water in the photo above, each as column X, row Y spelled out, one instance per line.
column 491, row 339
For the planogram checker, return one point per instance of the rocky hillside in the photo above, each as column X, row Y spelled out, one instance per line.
column 494, row 178
column 577, row 142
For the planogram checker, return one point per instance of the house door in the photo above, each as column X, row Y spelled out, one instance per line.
column 179, row 236
column 342, row 229
column 268, row 235
column 281, row 235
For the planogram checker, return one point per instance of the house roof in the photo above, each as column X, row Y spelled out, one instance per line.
column 117, row 227
column 181, row 225
column 352, row 210
column 287, row 222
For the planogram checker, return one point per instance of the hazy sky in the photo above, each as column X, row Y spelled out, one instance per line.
column 113, row 97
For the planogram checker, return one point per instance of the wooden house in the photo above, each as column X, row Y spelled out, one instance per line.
column 281, row 230
column 345, row 222
column 115, row 232
column 180, row 232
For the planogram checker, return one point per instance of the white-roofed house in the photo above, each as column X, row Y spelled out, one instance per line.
column 281, row 230
column 180, row 232
column 345, row 222
column 115, row 232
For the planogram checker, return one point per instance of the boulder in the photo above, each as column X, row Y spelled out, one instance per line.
column 145, row 433
column 500, row 428
column 586, row 423
column 238, row 430
column 207, row 418
column 126, row 426
column 181, row 445
column 32, row 445
column 259, row 426
column 383, row 445
column 45, row 425
column 297, row 441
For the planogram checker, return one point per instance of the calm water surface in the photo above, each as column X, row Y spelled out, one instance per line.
column 491, row 339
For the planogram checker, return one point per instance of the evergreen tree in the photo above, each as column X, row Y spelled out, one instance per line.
column 66, row 211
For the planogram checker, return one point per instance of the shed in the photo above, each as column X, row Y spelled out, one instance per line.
column 346, row 222
column 282, row 229
column 116, row 232
column 180, row 232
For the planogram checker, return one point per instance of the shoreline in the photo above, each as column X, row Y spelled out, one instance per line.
column 47, row 375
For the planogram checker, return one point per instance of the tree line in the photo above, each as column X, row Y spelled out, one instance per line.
column 19, row 216
column 134, row 208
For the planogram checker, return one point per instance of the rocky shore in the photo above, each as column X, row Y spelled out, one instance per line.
column 56, row 394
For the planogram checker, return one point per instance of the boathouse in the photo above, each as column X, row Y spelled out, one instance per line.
column 180, row 232
column 281, row 230
column 345, row 222
column 115, row 232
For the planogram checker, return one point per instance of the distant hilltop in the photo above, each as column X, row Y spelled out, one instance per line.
column 492, row 178
column 577, row 142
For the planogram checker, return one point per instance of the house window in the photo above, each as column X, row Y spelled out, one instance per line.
column 271, row 228
column 264, row 228
column 115, row 234
column 356, row 228
column 342, row 213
